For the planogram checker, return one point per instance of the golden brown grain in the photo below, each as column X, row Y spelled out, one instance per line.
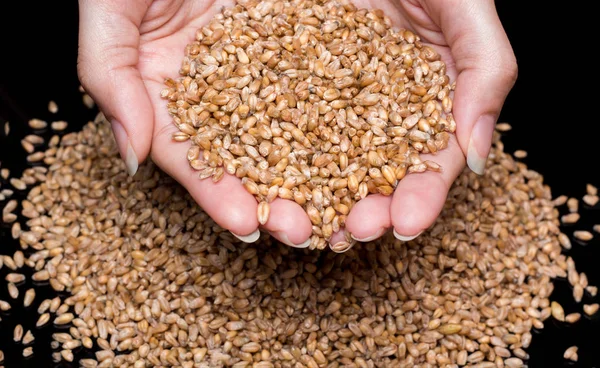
column 28, row 338
column 583, row 235
column 17, row 333
column 18, row 184
column 520, row 154
column 10, row 206
column 29, row 297
column 27, row 146
column 52, row 107
column 263, row 211
column 13, row 291
column 37, row 124
column 572, row 317
column 35, row 157
column 590, row 309
column 63, row 318
column 43, row 319
column 88, row 101
column 14, row 278
column 571, row 353
column 557, row 311
column 59, row 125
column 4, row 173
column 570, row 218
column 503, row 127
column 27, row 352
column 573, row 205
column 590, row 199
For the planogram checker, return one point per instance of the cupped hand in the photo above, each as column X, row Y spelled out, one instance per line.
column 128, row 48
column 479, row 58
column 126, row 51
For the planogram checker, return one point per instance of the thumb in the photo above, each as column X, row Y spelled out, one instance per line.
column 487, row 71
column 107, row 69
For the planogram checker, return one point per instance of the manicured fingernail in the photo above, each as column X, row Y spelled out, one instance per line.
column 341, row 247
column 285, row 240
column 378, row 234
column 131, row 160
column 405, row 238
column 125, row 149
column 250, row 238
column 479, row 143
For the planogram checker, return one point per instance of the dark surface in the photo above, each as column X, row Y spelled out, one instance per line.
column 552, row 110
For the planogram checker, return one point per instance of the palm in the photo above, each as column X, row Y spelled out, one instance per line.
column 413, row 15
column 165, row 31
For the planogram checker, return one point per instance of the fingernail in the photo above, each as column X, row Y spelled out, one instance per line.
column 405, row 238
column 479, row 143
column 378, row 234
column 250, row 238
column 125, row 149
column 285, row 240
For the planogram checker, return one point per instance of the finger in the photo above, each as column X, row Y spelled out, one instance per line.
column 419, row 198
column 369, row 218
column 107, row 68
column 226, row 201
column 487, row 71
column 341, row 241
column 289, row 223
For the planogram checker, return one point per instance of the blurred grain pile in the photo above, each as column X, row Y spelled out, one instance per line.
column 312, row 101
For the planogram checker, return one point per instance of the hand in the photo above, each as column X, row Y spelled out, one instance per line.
column 479, row 57
column 127, row 49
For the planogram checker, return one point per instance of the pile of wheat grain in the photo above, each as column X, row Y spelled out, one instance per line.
column 153, row 281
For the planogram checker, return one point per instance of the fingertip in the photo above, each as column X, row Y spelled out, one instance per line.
column 341, row 242
column 283, row 238
column 480, row 143
column 237, row 219
column 226, row 201
column 476, row 113
column 417, row 202
column 338, row 237
column 369, row 218
column 420, row 197
column 126, row 150
column 289, row 223
column 250, row 238
column 125, row 102
column 405, row 238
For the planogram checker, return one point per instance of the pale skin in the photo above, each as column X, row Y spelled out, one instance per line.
column 128, row 48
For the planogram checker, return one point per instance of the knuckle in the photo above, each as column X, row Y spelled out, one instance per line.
column 501, row 66
column 505, row 65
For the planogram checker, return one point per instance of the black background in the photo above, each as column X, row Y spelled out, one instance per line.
column 553, row 110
